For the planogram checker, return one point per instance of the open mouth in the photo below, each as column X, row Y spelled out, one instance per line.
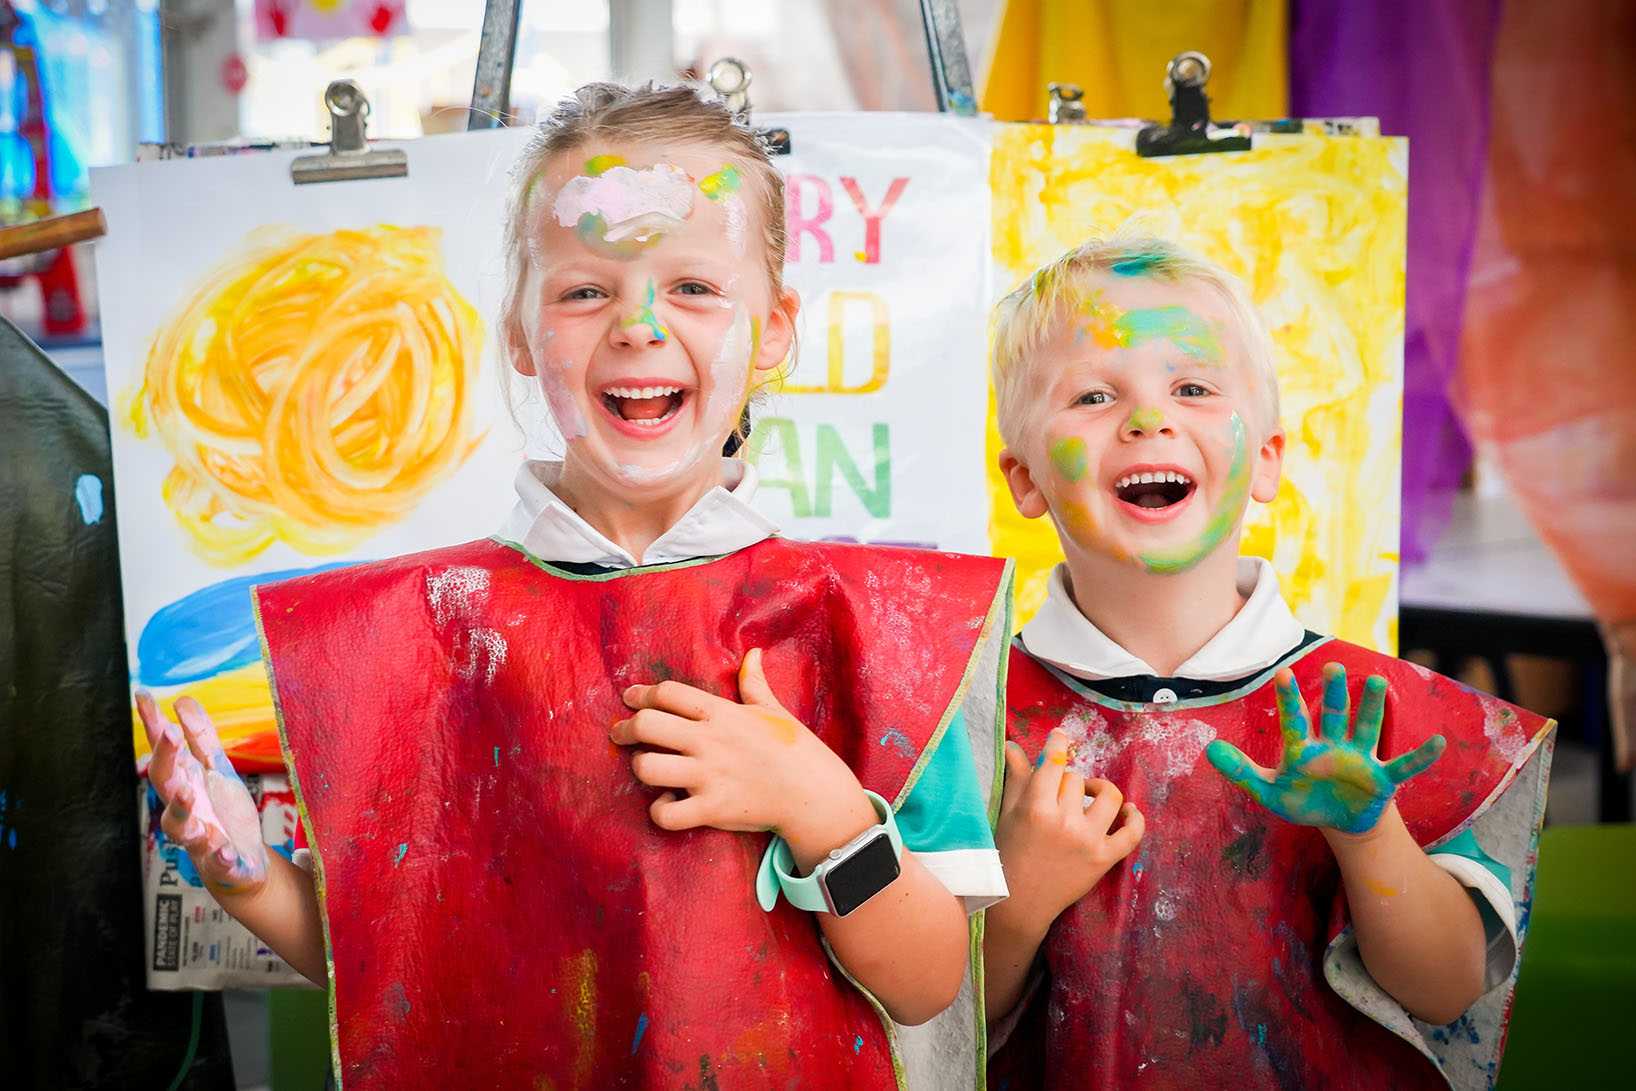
column 645, row 406
column 1158, row 489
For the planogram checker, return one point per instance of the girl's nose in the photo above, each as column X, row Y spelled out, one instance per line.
column 641, row 326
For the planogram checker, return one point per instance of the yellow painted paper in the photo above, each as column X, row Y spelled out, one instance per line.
column 1315, row 226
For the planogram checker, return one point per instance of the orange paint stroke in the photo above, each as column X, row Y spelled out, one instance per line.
column 312, row 390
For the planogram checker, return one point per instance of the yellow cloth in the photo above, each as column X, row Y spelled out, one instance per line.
column 1117, row 51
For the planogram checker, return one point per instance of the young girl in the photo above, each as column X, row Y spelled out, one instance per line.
column 535, row 769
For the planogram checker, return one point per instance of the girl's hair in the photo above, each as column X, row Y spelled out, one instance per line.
column 650, row 114
column 1025, row 317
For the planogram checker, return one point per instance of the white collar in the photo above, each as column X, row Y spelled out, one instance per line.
column 1259, row 635
column 721, row 521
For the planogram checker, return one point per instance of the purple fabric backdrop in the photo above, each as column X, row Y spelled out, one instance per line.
column 1423, row 69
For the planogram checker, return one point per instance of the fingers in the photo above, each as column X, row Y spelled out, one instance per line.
column 752, row 683
column 1017, row 772
column 674, row 697
column 1371, row 711
column 201, row 735
column 1240, row 771
column 1337, row 704
column 166, row 741
column 1416, row 761
column 669, row 812
column 1105, row 804
column 650, row 727
column 666, row 770
column 1125, row 839
column 153, row 721
column 1072, row 789
column 1047, row 778
column 1292, row 715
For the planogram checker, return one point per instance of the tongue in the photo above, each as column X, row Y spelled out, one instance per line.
column 644, row 408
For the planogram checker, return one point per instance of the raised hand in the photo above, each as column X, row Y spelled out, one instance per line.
column 208, row 810
column 1328, row 780
column 1055, row 834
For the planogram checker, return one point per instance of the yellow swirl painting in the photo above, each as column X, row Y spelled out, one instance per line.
column 312, row 390
column 1315, row 227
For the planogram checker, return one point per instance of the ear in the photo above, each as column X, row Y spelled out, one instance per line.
column 1269, row 467
column 1025, row 493
column 778, row 333
column 518, row 348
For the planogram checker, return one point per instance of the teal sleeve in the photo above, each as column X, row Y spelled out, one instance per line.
column 1466, row 845
column 945, row 811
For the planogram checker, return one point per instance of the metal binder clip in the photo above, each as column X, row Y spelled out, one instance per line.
column 1067, row 103
column 349, row 156
column 730, row 79
column 1189, row 131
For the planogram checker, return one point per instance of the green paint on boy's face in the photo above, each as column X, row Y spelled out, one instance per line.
column 723, row 183
column 1070, row 457
column 1112, row 327
column 646, row 317
column 599, row 164
column 1144, row 420
column 1229, row 509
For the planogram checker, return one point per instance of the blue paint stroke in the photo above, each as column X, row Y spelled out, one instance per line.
column 207, row 632
column 88, row 495
column 898, row 741
column 1136, row 265
column 641, row 1029
column 857, row 1044
column 403, row 850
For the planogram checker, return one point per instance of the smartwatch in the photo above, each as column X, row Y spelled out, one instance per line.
column 843, row 880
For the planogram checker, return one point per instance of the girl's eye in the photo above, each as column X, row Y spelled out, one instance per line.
column 1192, row 390
column 693, row 287
column 1093, row 397
column 584, row 292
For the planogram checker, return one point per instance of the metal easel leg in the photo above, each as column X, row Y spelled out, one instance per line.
column 946, row 43
column 496, row 51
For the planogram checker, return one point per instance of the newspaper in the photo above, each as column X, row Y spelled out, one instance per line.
column 191, row 941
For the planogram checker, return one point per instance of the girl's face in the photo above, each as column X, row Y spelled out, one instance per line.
column 647, row 309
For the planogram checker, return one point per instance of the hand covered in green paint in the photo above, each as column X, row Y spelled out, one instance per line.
column 1329, row 780
column 208, row 810
column 743, row 766
column 1055, row 834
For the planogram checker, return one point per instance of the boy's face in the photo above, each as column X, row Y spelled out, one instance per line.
column 1144, row 437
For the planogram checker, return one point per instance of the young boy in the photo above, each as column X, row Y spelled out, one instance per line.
column 1342, row 914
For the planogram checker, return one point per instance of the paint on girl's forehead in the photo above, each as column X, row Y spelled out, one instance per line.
column 722, row 187
column 601, row 164
column 1112, row 327
column 1145, row 420
column 646, row 317
column 619, row 212
column 1069, row 456
column 1229, row 509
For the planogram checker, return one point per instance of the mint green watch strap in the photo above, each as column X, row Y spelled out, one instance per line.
column 777, row 872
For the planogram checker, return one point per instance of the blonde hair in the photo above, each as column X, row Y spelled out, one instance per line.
column 1024, row 318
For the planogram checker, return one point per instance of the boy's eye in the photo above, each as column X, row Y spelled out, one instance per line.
column 693, row 287
column 584, row 292
column 1093, row 397
column 1192, row 390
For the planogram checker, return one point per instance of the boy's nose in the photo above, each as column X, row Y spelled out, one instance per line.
column 1145, row 421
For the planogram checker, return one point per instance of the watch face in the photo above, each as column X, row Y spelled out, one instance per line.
column 862, row 875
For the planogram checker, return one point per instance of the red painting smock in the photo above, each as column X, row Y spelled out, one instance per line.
column 500, row 910
column 1201, row 959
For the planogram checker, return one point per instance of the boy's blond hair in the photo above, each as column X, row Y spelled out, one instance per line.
column 1023, row 319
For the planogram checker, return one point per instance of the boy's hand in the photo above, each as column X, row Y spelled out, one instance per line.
column 1054, row 846
column 1330, row 781
column 208, row 810
column 749, row 766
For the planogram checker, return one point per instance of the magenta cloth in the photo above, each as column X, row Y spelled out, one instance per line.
column 1423, row 69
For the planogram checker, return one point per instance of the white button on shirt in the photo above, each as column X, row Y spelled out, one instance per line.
column 1260, row 634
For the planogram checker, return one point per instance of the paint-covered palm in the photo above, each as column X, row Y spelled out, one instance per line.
column 1329, row 779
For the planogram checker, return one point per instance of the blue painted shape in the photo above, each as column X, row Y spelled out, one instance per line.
column 641, row 1029
column 88, row 495
column 208, row 632
column 403, row 849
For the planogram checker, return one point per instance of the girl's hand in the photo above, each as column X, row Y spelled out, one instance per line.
column 1330, row 781
column 749, row 766
column 1053, row 845
column 208, row 810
